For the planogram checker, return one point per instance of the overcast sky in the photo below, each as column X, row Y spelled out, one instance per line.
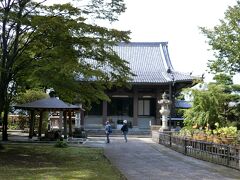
column 177, row 22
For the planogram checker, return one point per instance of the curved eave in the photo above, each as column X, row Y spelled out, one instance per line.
column 48, row 104
column 48, row 108
column 161, row 83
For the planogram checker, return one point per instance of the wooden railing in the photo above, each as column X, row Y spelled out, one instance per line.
column 216, row 153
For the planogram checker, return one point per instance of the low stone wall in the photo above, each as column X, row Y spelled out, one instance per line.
column 101, row 132
column 155, row 127
column 95, row 126
column 155, row 136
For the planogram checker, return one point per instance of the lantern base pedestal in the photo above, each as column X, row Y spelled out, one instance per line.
column 163, row 129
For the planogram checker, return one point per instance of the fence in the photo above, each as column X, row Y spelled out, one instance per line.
column 216, row 153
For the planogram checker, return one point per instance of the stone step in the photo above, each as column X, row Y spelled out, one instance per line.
column 92, row 132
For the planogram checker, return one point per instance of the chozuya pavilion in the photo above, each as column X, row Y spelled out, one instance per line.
column 155, row 75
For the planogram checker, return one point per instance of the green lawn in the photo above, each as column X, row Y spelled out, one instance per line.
column 32, row 161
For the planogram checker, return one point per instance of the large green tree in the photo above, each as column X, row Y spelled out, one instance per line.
column 53, row 46
column 216, row 104
column 224, row 39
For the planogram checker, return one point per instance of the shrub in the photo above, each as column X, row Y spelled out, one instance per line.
column 22, row 122
column 1, row 146
column 186, row 131
column 61, row 144
column 228, row 131
column 79, row 133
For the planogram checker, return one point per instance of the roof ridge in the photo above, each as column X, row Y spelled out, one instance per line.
column 143, row 43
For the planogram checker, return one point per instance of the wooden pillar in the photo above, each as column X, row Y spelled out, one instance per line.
column 40, row 124
column 158, row 106
column 77, row 119
column 31, row 124
column 70, row 123
column 135, row 108
column 82, row 119
column 60, row 120
column 104, row 112
column 65, row 124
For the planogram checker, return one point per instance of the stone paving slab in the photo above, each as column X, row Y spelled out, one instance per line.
column 142, row 159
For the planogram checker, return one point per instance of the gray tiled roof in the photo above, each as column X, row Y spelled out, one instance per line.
column 48, row 103
column 149, row 61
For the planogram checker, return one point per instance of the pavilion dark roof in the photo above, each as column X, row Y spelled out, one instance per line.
column 150, row 62
column 49, row 103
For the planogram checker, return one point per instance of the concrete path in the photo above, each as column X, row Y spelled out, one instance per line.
column 142, row 159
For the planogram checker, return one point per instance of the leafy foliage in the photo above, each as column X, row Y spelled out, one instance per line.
column 212, row 106
column 61, row 144
column 30, row 95
column 225, row 41
column 59, row 43
column 54, row 46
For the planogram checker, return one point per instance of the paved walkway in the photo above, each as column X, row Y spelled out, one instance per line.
column 142, row 159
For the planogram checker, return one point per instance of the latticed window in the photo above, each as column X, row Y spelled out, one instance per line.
column 120, row 107
column 146, row 107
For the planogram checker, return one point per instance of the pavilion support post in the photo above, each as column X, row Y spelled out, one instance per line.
column 77, row 120
column 31, row 124
column 82, row 118
column 60, row 120
column 40, row 124
column 70, row 123
column 65, row 124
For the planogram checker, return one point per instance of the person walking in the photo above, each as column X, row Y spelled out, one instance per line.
column 108, row 131
column 124, row 129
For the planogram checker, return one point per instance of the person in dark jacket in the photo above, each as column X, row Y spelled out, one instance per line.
column 124, row 129
column 108, row 131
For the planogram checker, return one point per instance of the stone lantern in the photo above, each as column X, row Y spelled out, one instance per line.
column 165, row 111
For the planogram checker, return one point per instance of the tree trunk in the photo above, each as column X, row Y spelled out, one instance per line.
column 4, row 101
column 3, row 110
column 5, row 124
